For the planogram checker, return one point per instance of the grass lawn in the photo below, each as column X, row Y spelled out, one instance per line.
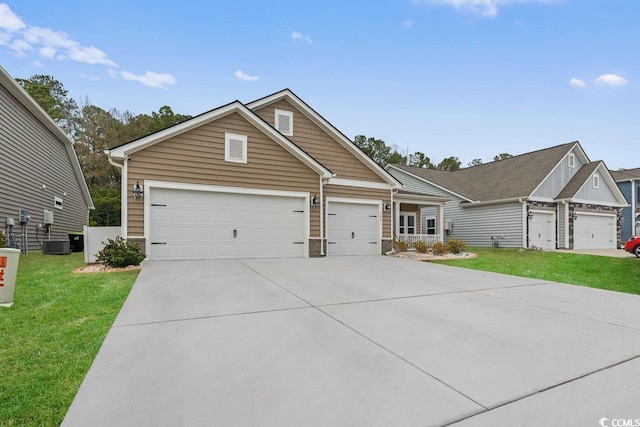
column 615, row 274
column 52, row 333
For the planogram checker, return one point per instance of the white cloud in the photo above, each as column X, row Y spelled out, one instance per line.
column 577, row 83
column 611, row 80
column 48, row 43
column 295, row 36
column 488, row 8
column 38, row 64
column 241, row 75
column 407, row 24
column 151, row 79
column 9, row 20
column 112, row 73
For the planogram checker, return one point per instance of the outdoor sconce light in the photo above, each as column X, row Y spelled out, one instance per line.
column 574, row 216
column 314, row 201
column 387, row 207
column 137, row 191
column 530, row 216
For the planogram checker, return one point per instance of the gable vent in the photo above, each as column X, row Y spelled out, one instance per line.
column 235, row 148
column 284, row 122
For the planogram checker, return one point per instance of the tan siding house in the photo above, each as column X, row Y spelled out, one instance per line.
column 267, row 179
column 39, row 169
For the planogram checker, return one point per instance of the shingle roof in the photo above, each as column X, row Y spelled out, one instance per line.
column 626, row 174
column 577, row 181
column 515, row 177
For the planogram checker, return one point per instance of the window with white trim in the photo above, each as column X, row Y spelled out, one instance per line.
column 235, row 148
column 430, row 225
column 284, row 122
column 596, row 181
column 571, row 160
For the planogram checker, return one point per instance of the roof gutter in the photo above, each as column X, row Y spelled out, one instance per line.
column 493, row 202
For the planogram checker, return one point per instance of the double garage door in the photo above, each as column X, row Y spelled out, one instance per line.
column 185, row 224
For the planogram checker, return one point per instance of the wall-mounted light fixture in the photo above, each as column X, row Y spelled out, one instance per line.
column 387, row 207
column 138, row 192
column 530, row 216
column 315, row 202
column 574, row 216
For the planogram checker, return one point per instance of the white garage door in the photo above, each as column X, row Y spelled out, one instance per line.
column 353, row 229
column 185, row 224
column 594, row 232
column 542, row 230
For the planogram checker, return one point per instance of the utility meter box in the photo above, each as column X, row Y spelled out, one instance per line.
column 24, row 216
column 48, row 217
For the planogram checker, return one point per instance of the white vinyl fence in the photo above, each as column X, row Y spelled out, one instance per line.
column 94, row 239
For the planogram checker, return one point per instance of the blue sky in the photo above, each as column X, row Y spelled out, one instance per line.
column 468, row 78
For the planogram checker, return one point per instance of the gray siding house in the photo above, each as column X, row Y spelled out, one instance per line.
column 628, row 181
column 547, row 199
column 39, row 170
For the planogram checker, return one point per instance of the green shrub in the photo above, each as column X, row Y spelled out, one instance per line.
column 119, row 253
column 401, row 246
column 421, row 247
column 456, row 246
column 439, row 248
column 3, row 240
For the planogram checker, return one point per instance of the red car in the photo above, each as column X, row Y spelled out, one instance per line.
column 633, row 246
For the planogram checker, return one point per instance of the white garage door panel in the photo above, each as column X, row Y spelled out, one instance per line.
column 594, row 232
column 542, row 230
column 353, row 229
column 200, row 225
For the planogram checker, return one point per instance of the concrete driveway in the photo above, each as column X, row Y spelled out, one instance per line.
column 361, row 341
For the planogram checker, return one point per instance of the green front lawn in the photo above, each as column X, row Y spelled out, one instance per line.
column 615, row 274
column 52, row 333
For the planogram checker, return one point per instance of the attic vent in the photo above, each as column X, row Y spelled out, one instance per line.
column 571, row 160
column 235, row 148
column 284, row 122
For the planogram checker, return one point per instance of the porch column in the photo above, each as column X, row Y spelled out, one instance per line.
column 396, row 230
column 441, row 221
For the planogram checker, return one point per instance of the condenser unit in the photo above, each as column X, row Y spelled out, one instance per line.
column 56, row 247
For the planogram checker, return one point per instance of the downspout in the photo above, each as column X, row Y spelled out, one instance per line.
column 123, row 191
column 524, row 222
column 322, row 181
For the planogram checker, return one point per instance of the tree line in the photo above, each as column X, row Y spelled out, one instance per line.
column 94, row 129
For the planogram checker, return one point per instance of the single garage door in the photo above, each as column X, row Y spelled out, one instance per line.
column 594, row 231
column 542, row 230
column 353, row 229
column 185, row 224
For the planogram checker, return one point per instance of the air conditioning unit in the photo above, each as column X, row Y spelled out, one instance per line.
column 56, row 247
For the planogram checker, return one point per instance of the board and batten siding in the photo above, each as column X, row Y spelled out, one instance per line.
column 594, row 195
column 476, row 225
column 319, row 144
column 383, row 196
column 557, row 179
column 197, row 157
column 35, row 167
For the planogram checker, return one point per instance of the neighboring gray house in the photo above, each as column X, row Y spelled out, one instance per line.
column 548, row 199
column 628, row 181
column 39, row 170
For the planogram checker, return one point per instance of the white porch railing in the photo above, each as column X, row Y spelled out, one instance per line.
column 410, row 239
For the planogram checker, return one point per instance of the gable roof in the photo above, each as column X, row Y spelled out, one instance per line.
column 122, row 151
column 34, row 108
column 325, row 125
column 626, row 174
column 516, row 177
column 577, row 181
